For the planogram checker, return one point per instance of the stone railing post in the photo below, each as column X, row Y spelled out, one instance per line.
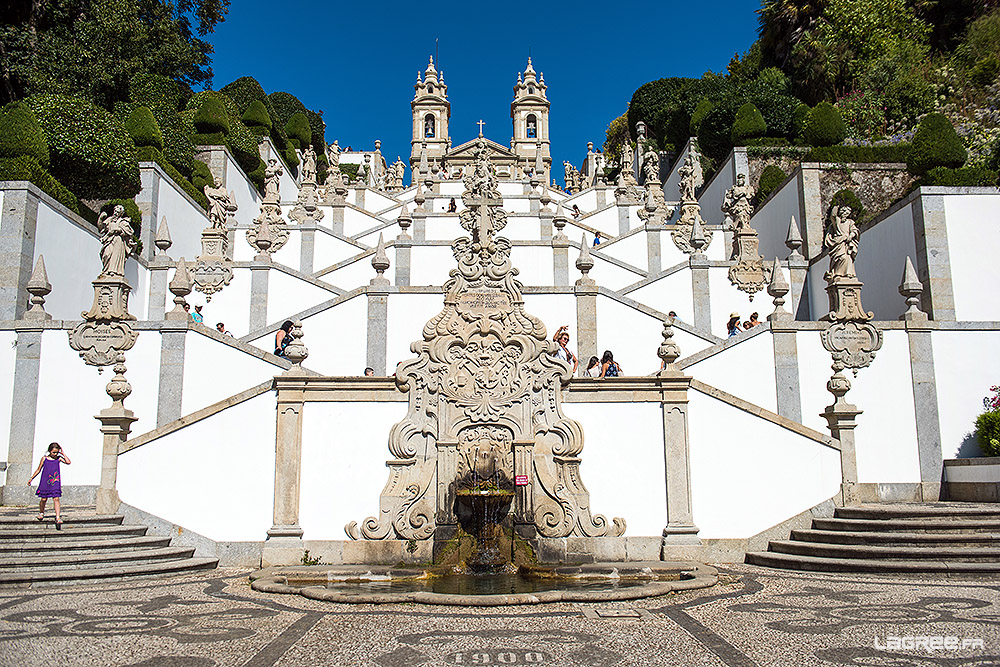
column 560, row 250
column 259, row 272
column 158, row 268
column 419, row 214
column 842, row 420
column 378, row 310
column 284, row 539
column 798, row 268
column 403, row 244
column 116, row 422
column 653, row 250
column 307, row 247
column 786, row 351
column 680, row 529
column 586, row 304
column 701, row 294
column 20, row 447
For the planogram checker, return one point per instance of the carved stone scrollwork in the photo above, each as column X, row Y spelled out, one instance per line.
column 852, row 344
column 483, row 383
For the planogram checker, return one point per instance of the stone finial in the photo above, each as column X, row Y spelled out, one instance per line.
column 162, row 241
column 418, row 196
column 38, row 287
column 793, row 240
column 545, row 199
column 697, row 239
column 263, row 240
column 180, row 287
column 669, row 351
column 584, row 263
column 910, row 288
column 119, row 388
column 560, row 220
column 296, row 351
column 380, row 262
column 404, row 220
column 778, row 288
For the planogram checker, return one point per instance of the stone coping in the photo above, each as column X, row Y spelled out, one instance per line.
column 974, row 461
column 691, row 576
column 165, row 176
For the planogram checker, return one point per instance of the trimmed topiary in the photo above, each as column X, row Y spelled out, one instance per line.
column 143, row 129
column 151, row 154
column 318, row 129
column 131, row 210
column 256, row 175
column 799, row 117
column 26, row 168
column 848, row 198
column 201, row 176
column 165, row 98
column 20, row 134
column 700, row 111
column 210, row 116
column 256, row 119
column 298, row 130
column 714, row 133
column 824, row 126
column 240, row 140
column 962, row 177
column 860, row 154
column 90, row 152
column 988, row 432
column 770, row 179
column 935, row 144
column 290, row 157
column 749, row 124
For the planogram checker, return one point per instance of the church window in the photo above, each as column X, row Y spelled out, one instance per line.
column 429, row 125
column 531, row 90
column 430, row 89
column 532, row 127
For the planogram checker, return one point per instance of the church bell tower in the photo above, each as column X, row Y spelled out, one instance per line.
column 431, row 112
column 529, row 113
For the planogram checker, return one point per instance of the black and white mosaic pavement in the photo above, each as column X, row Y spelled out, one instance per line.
column 753, row 617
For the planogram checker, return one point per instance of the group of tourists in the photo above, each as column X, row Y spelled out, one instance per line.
column 733, row 325
column 605, row 367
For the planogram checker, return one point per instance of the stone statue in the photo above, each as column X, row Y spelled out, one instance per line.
column 627, row 156
column 737, row 204
column 309, row 165
column 272, row 179
column 333, row 154
column 841, row 239
column 651, row 166
column 220, row 204
column 687, row 174
column 116, row 240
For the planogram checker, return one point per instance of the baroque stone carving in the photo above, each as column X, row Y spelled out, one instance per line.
column 212, row 270
column 690, row 214
column 270, row 212
column 747, row 271
column 221, row 205
column 484, row 398
column 307, row 202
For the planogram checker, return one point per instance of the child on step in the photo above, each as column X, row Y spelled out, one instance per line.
column 49, row 485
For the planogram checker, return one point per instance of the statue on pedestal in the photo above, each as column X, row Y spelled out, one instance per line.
column 117, row 241
column 220, row 204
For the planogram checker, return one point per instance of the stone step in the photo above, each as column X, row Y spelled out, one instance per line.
column 8, row 521
column 897, row 538
column 100, row 559
column 56, row 577
column 916, row 525
column 46, row 532
column 871, row 565
column 921, row 510
column 867, row 551
column 75, row 546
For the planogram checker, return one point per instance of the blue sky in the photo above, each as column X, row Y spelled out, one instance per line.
column 357, row 60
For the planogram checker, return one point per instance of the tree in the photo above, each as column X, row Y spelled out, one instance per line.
column 92, row 48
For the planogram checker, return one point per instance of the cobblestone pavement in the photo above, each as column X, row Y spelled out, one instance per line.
column 753, row 617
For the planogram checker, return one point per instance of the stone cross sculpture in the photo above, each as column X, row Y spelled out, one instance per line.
column 270, row 212
column 484, row 401
column 690, row 212
column 747, row 270
column 105, row 331
column 307, row 203
column 213, row 269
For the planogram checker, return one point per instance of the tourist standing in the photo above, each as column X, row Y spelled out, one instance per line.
column 50, row 483
column 609, row 367
column 197, row 316
column 597, row 239
column 452, row 206
column 221, row 328
column 753, row 321
column 733, row 326
column 282, row 338
column 562, row 352
column 593, row 368
column 369, row 372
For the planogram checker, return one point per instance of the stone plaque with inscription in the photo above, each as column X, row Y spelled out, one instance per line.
column 484, row 302
column 100, row 342
column 852, row 343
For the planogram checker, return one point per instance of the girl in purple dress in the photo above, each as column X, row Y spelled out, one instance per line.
column 50, row 485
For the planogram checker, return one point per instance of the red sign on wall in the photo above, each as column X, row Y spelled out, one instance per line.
column 520, row 480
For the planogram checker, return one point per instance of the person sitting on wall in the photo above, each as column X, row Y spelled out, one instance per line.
column 282, row 338
column 733, row 326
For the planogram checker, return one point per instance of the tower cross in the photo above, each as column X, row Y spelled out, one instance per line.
column 480, row 124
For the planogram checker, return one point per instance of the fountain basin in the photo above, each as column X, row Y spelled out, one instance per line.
column 362, row 584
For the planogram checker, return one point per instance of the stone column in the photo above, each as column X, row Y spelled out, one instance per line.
column 798, row 269
column 623, row 224
column 786, row 352
column 653, row 249
column 545, row 217
column 811, row 205
column 18, row 219
column 148, row 200
column 419, row 215
column 842, row 420
column 20, row 447
column 933, row 257
column 586, row 305
column 700, row 292
column 307, row 247
column 284, row 539
column 560, row 260
column 116, row 422
column 359, row 195
column 378, row 310
column 601, row 197
column 337, row 217
column 925, row 398
column 680, row 529
column 258, row 291
column 173, row 336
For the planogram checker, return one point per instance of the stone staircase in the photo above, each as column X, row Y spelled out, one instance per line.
column 944, row 537
column 89, row 547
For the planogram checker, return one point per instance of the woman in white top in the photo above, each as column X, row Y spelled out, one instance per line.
column 562, row 351
column 593, row 368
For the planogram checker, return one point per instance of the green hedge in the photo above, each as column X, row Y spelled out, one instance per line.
column 964, row 176
column 749, row 124
column 165, row 98
column 143, row 129
column 239, row 139
column 290, row 157
column 26, row 168
column 151, row 154
column 848, row 198
column 210, row 116
column 298, row 131
column 90, row 151
column 988, row 432
column 799, row 117
column 350, row 171
column 770, row 179
column 201, row 176
column 859, row 154
column 255, row 117
column 824, row 126
column 286, row 105
column 935, row 144
column 20, row 134
column 256, row 175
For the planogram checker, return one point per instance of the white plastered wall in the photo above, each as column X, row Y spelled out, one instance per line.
column 185, row 220
column 973, row 246
column 407, row 315
column 671, row 292
column 632, row 250
column 336, row 338
column 245, row 194
column 748, row 474
column 882, row 254
column 966, row 365
column 631, row 336
column 713, row 194
column 745, row 370
column 215, row 477
column 726, row 299
column 287, row 294
column 205, row 385
column 229, row 306
column 771, row 221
